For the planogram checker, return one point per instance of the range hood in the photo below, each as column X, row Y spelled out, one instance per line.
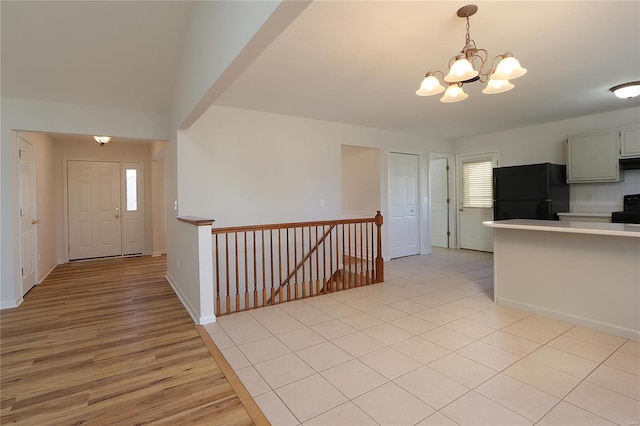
column 630, row 163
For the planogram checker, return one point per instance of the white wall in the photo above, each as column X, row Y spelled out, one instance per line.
column 360, row 169
column 244, row 167
column 546, row 143
column 30, row 115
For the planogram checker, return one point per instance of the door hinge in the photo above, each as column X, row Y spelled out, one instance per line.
column 22, row 271
column 448, row 234
column 447, row 167
column 20, row 212
column 448, row 200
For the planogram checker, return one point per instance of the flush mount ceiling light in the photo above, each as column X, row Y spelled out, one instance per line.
column 627, row 90
column 470, row 65
column 102, row 140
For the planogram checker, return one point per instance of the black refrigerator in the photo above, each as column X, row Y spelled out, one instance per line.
column 532, row 191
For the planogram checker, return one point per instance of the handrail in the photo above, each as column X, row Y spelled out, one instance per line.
column 254, row 264
column 288, row 225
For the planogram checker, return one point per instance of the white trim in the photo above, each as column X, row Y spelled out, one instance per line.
column 573, row 319
column 11, row 304
column 158, row 253
column 187, row 306
column 46, row 274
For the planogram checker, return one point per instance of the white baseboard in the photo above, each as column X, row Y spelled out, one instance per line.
column 11, row 304
column 207, row 320
column 158, row 253
column 187, row 306
column 46, row 274
column 573, row 319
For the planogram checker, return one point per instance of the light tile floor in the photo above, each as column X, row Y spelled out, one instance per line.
column 428, row 347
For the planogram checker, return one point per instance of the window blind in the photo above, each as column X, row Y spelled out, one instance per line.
column 477, row 184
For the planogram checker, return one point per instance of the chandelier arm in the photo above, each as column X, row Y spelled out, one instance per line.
column 439, row 72
column 493, row 64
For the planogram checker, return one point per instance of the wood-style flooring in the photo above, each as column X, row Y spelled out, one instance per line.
column 108, row 342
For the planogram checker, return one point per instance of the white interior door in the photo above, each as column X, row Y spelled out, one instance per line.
column 476, row 203
column 439, row 190
column 93, row 190
column 404, row 209
column 27, row 190
column 132, row 213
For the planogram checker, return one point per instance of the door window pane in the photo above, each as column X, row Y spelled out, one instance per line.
column 131, row 176
column 477, row 184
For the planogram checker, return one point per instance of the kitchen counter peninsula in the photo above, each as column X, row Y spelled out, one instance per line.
column 585, row 273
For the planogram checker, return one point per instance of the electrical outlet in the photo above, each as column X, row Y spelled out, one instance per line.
column 178, row 263
column 321, row 202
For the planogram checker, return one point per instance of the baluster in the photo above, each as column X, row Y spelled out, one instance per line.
column 350, row 273
column 361, row 257
column 373, row 267
column 255, row 273
column 279, row 262
column 288, row 267
column 237, row 274
column 264, row 277
column 379, row 260
column 217, row 312
column 310, row 266
column 366, row 248
column 271, row 252
column 295, row 260
column 304, row 286
column 331, row 271
column 318, row 262
column 226, row 249
column 246, row 274
column 343, row 275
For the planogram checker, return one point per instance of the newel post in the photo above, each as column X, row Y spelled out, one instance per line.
column 379, row 260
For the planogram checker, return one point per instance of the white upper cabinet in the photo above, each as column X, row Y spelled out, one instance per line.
column 630, row 142
column 593, row 157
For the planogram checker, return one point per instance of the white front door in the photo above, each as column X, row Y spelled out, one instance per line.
column 132, row 213
column 94, row 209
column 27, row 190
column 404, row 209
column 476, row 200
column 439, row 189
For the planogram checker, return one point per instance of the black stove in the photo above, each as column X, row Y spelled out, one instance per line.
column 631, row 212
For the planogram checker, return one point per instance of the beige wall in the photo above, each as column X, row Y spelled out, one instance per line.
column 360, row 181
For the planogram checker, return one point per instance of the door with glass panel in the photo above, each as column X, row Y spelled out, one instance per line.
column 132, row 213
column 476, row 200
column 104, row 209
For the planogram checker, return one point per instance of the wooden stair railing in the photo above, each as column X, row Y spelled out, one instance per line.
column 306, row 257
column 262, row 265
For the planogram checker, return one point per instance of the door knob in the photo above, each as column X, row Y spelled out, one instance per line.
column 35, row 222
column 117, row 216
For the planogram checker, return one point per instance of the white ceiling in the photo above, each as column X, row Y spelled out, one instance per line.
column 119, row 54
column 357, row 62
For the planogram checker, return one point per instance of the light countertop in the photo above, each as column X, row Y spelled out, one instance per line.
column 592, row 214
column 593, row 228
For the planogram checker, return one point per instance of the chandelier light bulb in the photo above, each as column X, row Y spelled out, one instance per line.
column 454, row 93
column 508, row 68
column 497, row 86
column 430, row 86
column 461, row 70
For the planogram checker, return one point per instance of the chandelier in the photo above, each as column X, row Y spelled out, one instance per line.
column 471, row 65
